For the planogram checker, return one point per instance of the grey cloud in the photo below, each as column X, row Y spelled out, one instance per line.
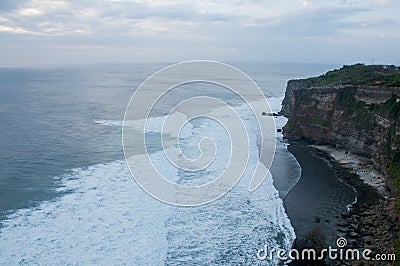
column 324, row 21
column 9, row 5
column 187, row 31
column 182, row 12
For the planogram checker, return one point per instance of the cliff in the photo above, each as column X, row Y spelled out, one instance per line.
column 357, row 109
column 363, row 119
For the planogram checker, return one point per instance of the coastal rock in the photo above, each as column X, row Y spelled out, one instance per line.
column 356, row 117
column 270, row 114
column 349, row 111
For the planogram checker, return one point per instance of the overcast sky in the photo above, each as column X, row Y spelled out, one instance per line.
column 64, row 32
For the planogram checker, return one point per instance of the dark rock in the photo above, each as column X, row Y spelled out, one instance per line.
column 353, row 226
column 313, row 239
column 353, row 234
column 270, row 114
column 317, row 220
column 343, row 224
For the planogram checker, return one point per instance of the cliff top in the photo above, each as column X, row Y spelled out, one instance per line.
column 359, row 74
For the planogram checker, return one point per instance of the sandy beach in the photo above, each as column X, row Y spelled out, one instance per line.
column 358, row 165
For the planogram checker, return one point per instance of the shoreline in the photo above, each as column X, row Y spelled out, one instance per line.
column 368, row 223
column 319, row 199
column 358, row 165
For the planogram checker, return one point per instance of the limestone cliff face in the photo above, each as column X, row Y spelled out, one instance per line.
column 290, row 100
column 356, row 108
column 359, row 118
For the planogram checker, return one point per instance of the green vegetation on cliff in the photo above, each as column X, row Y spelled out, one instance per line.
column 356, row 108
column 360, row 74
column 391, row 109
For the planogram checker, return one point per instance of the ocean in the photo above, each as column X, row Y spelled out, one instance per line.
column 66, row 194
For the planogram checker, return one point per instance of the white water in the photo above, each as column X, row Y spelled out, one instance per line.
column 105, row 218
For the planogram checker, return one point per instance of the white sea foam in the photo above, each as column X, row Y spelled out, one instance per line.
column 105, row 218
column 274, row 103
column 116, row 123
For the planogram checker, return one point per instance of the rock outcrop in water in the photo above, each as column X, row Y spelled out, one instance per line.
column 355, row 108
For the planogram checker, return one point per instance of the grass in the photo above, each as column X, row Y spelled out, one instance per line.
column 360, row 74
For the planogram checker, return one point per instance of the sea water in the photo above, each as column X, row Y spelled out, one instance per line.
column 67, row 196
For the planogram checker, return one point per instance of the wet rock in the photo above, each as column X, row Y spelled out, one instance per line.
column 270, row 114
column 353, row 234
column 342, row 224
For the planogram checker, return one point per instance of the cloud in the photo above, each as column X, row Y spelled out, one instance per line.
column 319, row 21
column 309, row 3
column 236, row 29
column 12, row 29
column 382, row 2
column 9, row 5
